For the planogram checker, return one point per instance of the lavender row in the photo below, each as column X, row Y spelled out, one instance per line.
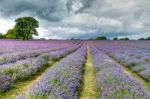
column 112, row 81
column 23, row 70
column 100, row 60
column 62, row 80
column 135, row 58
column 11, row 58
column 140, row 44
column 52, row 55
column 11, row 46
column 115, row 84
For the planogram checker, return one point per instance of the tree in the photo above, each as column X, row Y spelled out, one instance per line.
column 26, row 27
column 141, row 39
column 115, row 38
column 12, row 34
column 124, row 38
column 101, row 38
column 2, row 36
column 148, row 38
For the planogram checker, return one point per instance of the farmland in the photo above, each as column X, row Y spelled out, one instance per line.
column 71, row 69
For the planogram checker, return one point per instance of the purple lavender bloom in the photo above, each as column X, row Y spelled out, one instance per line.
column 115, row 83
column 26, row 68
column 135, row 56
column 112, row 81
column 63, row 79
column 145, row 74
column 5, row 82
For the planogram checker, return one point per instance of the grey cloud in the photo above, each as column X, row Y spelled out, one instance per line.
column 121, row 16
column 52, row 10
column 47, row 9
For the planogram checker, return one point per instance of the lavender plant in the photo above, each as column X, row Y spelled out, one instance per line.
column 24, row 69
column 135, row 58
column 112, row 81
column 62, row 80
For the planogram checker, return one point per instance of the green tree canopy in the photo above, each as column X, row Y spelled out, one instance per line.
column 2, row 36
column 26, row 27
column 124, row 38
column 141, row 39
column 115, row 38
column 12, row 34
column 148, row 38
column 101, row 38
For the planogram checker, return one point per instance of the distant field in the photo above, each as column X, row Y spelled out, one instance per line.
column 65, row 69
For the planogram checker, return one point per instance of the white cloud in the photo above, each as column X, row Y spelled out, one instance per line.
column 86, row 20
column 138, row 25
column 110, row 22
column 76, row 5
column 65, row 32
column 41, row 32
column 5, row 24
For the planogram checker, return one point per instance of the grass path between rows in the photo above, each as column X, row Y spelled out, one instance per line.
column 128, row 71
column 89, row 89
column 19, row 88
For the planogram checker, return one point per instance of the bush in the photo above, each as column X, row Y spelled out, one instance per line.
column 2, row 36
column 101, row 38
column 124, row 38
column 148, row 38
column 141, row 39
column 115, row 38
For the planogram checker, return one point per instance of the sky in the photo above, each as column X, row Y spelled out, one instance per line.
column 64, row 19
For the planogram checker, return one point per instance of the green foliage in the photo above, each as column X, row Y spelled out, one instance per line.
column 26, row 27
column 141, row 39
column 12, row 34
column 53, row 82
column 115, row 38
column 9, row 70
column 148, row 38
column 2, row 36
column 2, row 59
column 101, row 38
column 124, row 38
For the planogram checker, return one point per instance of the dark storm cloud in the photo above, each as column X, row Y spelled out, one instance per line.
column 52, row 10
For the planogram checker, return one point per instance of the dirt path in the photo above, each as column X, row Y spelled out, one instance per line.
column 89, row 88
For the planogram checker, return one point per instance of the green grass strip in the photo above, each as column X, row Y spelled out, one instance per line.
column 89, row 88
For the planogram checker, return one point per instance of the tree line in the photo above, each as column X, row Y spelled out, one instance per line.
column 116, row 38
column 105, row 38
column 24, row 29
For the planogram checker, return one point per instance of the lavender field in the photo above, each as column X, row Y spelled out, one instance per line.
column 72, row 69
